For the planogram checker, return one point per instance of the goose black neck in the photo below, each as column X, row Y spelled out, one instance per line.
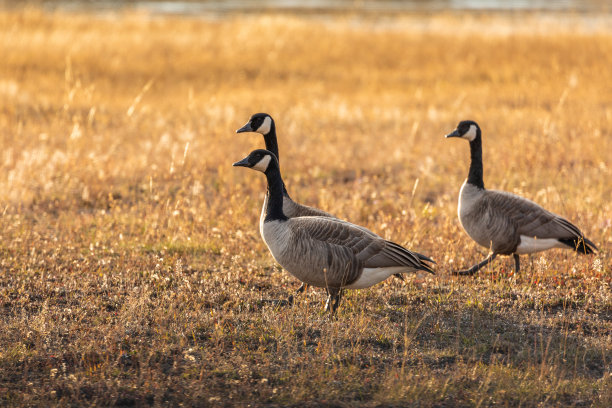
column 274, row 209
column 272, row 145
column 270, row 139
column 476, row 173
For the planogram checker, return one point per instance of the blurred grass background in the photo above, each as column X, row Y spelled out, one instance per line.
column 132, row 271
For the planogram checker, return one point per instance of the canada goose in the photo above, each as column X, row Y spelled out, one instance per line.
column 263, row 124
column 323, row 251
column 506, row 223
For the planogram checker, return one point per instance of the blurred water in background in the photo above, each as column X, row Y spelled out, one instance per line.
column 320, row 6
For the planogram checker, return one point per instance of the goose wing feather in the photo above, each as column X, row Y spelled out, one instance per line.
column 508, row 216
column 343, row 249
column 334, row 248
column 293, row 209
column 420, row 256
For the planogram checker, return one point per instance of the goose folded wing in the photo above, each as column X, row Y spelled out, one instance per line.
column 531, row 220
column 369, row 250
column 337, row 247
column 337, row 232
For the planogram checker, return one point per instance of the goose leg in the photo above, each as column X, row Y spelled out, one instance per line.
column 299, row 290
column 517, row 263
column 338, row 296
column 475, row 268
column 333, row 300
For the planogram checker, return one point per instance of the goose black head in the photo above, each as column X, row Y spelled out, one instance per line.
column 260, row 160
column 467, row 129
column 259, row 123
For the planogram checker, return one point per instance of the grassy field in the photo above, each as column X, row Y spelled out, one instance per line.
column 132, row 272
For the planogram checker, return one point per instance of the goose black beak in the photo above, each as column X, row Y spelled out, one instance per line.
column 454, row 133
column 242, row 163
column 245, row 128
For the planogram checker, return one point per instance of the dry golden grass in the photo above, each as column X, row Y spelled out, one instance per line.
column 132, row 271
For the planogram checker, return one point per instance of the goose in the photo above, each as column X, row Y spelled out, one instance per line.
column 323, row 251
column 507, row 223
column 263, row 124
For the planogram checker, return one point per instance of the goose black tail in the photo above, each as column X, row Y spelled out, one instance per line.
column 580, row 245
column 427, row 268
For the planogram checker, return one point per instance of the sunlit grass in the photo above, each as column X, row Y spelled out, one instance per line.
column 131, row 267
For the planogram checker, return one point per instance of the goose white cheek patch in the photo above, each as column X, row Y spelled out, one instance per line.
column 264, row 129
column 470, row 134
column 262, row 165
